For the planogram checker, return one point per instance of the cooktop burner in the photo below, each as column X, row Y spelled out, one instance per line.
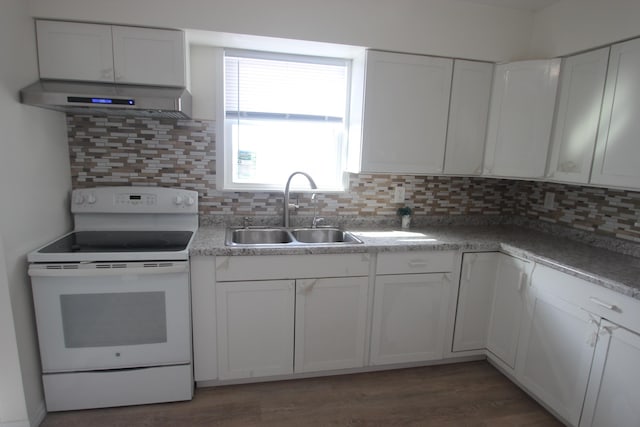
column 120, row 241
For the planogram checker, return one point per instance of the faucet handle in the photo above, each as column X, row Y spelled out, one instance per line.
column 246, row 222
column 316, row 221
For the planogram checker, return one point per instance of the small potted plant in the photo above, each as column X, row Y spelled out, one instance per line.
column 405, row 213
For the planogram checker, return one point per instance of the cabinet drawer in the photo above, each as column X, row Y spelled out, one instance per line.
column 415, row 262
column 608, row 304
column 269, row 267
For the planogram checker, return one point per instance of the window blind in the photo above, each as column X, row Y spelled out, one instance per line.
column 287, row 87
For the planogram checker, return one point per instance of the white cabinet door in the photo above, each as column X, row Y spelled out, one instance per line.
column 507, row 308
column 475, row 298
column 555, row 350
column 405, row 113
column 617, row 149
column 614, row 384
column 255, row 328
column 409, row 318
column 578, row 113
column 149, row 56
column 468, row 112
column 331, row 323
column 520, row 118
column 74, row 51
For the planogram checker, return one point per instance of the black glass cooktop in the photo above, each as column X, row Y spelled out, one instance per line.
column 120, row 241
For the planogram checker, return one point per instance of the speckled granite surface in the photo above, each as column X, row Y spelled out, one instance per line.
column 610, row 269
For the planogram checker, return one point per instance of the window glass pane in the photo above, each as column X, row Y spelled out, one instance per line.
column 282, row 116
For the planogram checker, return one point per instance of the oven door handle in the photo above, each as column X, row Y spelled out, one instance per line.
column 43, row 271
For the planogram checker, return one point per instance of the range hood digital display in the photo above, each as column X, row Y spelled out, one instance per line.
column 89, row 100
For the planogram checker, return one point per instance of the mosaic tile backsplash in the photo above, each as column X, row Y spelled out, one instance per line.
column 164, row 152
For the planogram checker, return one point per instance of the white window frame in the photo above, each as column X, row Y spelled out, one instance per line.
column 224, row 155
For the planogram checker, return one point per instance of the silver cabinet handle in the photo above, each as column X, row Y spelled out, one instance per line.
column 417, row 263
column 596, row 301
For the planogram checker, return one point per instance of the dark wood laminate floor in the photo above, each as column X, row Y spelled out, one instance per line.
column 465, row 394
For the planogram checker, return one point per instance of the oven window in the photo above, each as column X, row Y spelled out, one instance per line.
column 113, row 319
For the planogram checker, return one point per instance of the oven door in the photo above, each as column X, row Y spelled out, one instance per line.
column 112, row 315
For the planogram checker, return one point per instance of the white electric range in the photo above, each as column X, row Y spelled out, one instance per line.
column 112, row 299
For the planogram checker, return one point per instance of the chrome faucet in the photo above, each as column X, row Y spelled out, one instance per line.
column 285, row 213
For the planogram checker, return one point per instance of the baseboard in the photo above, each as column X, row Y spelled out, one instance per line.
column 372, row 368
column 24, row 423
column 37, row 417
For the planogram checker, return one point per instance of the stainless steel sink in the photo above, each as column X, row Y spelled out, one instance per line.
column 258, row 236
column 324, row 235
column 282, row 236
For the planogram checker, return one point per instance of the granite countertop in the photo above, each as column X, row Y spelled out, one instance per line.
column 603, row 267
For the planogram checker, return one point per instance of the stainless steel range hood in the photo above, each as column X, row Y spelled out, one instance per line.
column 109, row 99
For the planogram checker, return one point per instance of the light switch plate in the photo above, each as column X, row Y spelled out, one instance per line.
column 549, row 198
column 398, row 195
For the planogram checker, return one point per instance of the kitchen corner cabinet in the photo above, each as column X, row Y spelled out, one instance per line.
column 468, row 112
column 475, row 297
column 106, row 53
column 617, row 149
column 410, row 311
column 406, row 105
column 614, row 384
column 577, row 116
column 507, row 308
column 520, row 118
column 556, row 347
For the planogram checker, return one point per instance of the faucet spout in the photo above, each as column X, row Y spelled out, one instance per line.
column 285, row 211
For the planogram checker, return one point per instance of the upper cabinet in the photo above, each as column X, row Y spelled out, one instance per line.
column 105, row 53
column 577, row 115
column 520, row 118
column 617, row 151
column 468, row 111
column 406, row 104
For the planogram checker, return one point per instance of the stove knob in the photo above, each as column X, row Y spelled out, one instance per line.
column 177, row 200
column 78, row 199
column 91, row 199
column 189, row 201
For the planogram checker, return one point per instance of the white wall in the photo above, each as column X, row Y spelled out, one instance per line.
column 574, row 25
column 34, row 183
column 436, row 27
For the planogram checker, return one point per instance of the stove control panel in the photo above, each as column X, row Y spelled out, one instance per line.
column 134, row 200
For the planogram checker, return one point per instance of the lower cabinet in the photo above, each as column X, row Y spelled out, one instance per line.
column 556, row 349
column 257, row 322
column 410, row 311
column 409, row 318
column 614, row 384
column 279, row 315
column 507, row 308
column 330, row 323
column 255, row 328
column 477, row 283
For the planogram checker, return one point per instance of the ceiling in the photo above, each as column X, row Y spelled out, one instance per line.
column 530, row 5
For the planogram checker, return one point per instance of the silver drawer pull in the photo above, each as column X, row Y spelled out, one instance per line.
column 417, row 263
column 602, row 303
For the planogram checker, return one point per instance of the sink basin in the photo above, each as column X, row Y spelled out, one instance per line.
column 323, row 235
column 258, row 236
column 284, row 236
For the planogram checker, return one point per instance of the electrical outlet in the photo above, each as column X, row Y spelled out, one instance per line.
column 398, row 195
column 549, row 198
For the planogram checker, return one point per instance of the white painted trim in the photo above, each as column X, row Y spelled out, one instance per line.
column 36, row 417
column 24, row 423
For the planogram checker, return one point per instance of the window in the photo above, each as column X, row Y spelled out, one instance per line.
column 283, row 113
